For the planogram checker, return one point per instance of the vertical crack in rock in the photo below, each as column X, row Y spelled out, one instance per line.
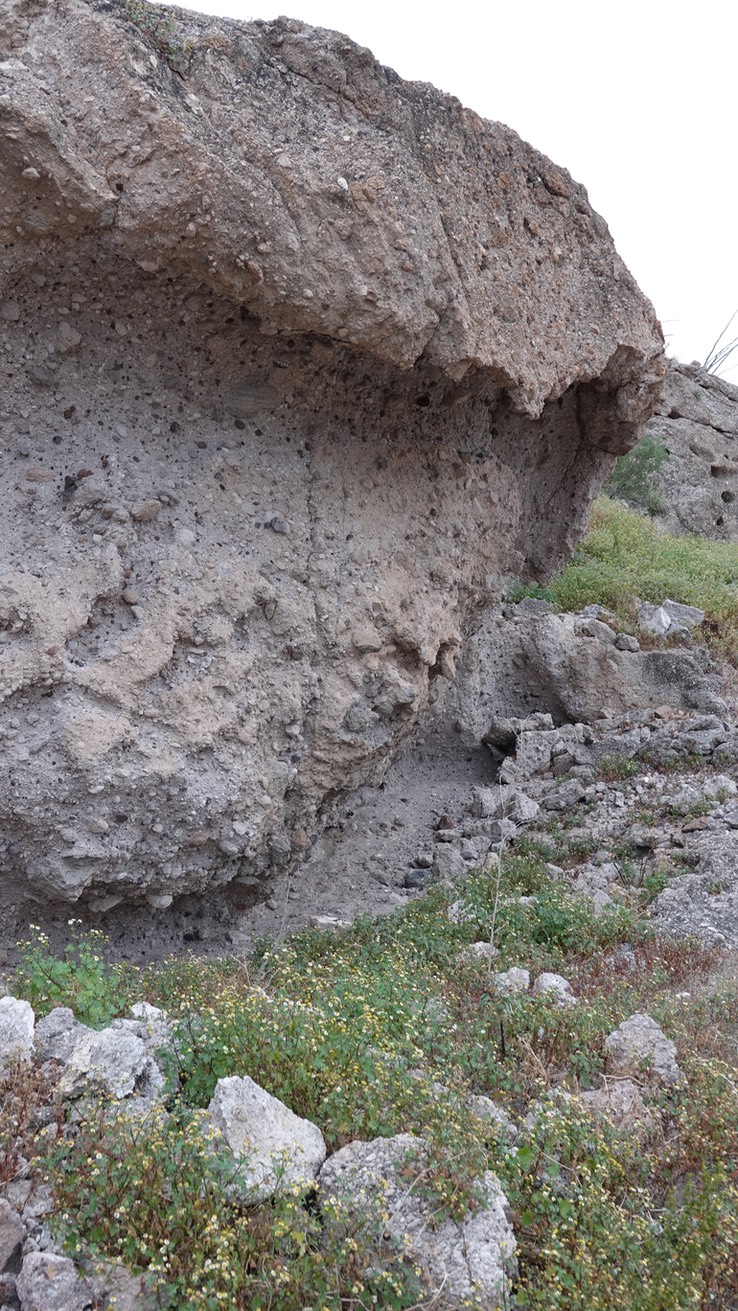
column 302, row 362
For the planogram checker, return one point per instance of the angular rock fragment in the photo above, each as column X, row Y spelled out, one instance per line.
column 639, row 1050
column 11, row 1233
column 620, row 1102
column 464, row 1263
column 49, row 1282
column 272, row 1147
column 556, row 987
column 16, row 1030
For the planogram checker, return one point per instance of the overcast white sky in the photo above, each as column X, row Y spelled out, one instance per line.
column 639, row 100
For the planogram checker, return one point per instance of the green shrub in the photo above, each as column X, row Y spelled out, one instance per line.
column 153, row 1194
column 624, row 557
column 80, row 978
column 632, row 479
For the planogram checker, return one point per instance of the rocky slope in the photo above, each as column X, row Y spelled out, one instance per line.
column 300, row 362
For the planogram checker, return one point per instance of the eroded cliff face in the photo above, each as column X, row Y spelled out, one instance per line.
column 301, row 361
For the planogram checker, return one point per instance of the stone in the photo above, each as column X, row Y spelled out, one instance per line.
column 55, row 1035
column 504, row 802
column 683, row 616
column 448, row 864
column 543, row 660
column 49, row 1282
column 146, row 512
column 654, row 619
column 697, row 423
column 639, row 1050
column 556, row 987
column 564, row 797
column 469, row 1262
column 621, row 1104
column 111, row 1061
column 273, row 1147
column 479, row 951
column 597, row 629
column 512, row 980
column 16, row 1030
column 626, row 642
column 704, row 901
column 489, row 1111
column 11, row 1233
column 427, row 289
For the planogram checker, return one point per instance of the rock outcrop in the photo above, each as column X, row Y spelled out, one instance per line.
column 301, row 361
column 697, row 423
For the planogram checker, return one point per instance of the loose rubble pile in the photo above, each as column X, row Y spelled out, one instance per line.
column 271, row 1148
column 667, row 806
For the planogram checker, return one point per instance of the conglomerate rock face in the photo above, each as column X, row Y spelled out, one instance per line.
column 697, row 423
column 299, row 363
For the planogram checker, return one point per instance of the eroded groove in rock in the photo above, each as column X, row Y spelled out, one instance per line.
column 301, row 362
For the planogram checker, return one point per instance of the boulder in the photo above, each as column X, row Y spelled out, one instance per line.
column 16, row 1030
column 111, row 1061
column 512, row 980
column 272, row 1147
column 669, row 617
column 49, row 1282
column 639, row 1050
column 465, row 1263
column 302, row 361
column 11, row 1233
column 517, row 663
column 621, row 1104
column 555, row 987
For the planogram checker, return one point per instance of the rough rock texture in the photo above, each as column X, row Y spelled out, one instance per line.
column 301, row 361
column 620, row 1102
column 466, row 1263
column 698, row 424
column 116, row 1061
column 16, row 1030
column 523, row 661
column 273, row 1146
column 48, row 1282
column 11, row 1233
column 638, row 1049
column 704, row 901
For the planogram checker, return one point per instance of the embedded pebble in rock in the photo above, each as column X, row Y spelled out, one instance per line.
column 249, row 475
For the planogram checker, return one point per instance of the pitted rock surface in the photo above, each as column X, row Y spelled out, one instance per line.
column 301, row 362
column 697, row 422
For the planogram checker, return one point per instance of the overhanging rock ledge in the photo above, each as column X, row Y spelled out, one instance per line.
column 300, row 362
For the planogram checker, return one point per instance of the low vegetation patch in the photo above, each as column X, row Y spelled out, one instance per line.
column 390, row 1027
column 633, row 478
column 624, row 557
